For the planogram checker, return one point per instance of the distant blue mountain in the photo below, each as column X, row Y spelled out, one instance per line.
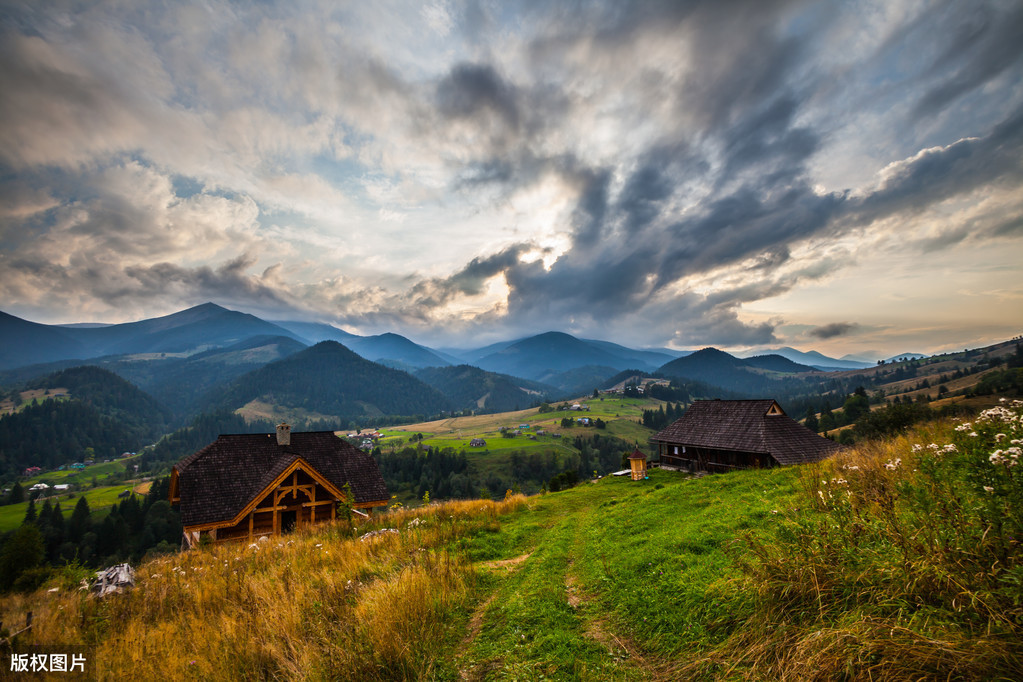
column 189, row 331
column 718, row 368
column 551, row 353
column 394, row 347
column 314, row 332
column 811, row 358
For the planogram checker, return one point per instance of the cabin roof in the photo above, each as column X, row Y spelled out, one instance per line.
column 756, row 426
column 217, row 482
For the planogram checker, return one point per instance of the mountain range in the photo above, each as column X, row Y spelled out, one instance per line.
column 209, row 357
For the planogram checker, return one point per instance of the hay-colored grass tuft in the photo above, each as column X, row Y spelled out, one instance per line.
column 321, row 603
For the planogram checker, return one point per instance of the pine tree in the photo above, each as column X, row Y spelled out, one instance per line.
column 17, row 494
column 80, row 523
column 30, row 512
column 22, row 551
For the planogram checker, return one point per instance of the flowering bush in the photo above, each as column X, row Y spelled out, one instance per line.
column 919, row 537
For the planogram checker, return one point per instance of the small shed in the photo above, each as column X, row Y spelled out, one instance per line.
column 637, row 464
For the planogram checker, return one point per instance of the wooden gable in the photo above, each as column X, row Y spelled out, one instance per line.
column 249, row 485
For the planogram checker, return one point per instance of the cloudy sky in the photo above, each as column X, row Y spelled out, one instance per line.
column 839, row 176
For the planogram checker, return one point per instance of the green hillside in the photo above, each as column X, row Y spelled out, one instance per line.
column 471, row 388
column 899, row 560
column 522, row 450
column 329, row 379
column 99, row 411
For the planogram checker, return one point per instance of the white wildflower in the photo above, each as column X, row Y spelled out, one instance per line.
column 933, row 446
column 950, row 448
column 997, row 414
column 973, row 433
column 892, row 466
column 988, row 489
column 996, row 457
column 917, row 447
column 999, row 437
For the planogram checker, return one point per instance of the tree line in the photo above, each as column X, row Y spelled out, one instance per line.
column 46, row 541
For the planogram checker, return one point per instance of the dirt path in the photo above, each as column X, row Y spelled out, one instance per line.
column 597, row 630
column 476, row 622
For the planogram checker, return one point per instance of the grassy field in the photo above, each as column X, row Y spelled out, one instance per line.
column 590, row 583
column 897, row 560
column 100, row 501
column 622, row 415
column 80, row 476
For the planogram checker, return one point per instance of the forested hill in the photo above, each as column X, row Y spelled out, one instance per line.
column 472, row 388
column 329, row 379
column 112, row 396
column 720, row 369
column 102, row 412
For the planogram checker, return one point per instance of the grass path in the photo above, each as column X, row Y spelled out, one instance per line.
column 539, row 622
column 617, row 580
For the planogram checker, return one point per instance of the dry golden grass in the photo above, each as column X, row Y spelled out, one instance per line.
column 312, row 605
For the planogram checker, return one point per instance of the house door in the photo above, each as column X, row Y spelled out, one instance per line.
column 288, row 519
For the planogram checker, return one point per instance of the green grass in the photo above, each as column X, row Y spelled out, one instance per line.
column 649, row 559
column 100, row 500
column 79, row 476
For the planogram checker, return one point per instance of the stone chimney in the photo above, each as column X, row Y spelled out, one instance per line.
column 283, row 434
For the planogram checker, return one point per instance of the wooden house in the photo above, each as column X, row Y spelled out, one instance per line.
column 722, row 435
column 245, row 486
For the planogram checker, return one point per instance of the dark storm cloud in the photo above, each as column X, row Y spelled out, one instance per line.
column 939, row 173
column 229, row 281
column 983, row 43
column 830, row 331
column 471, row 89
column 686, row 137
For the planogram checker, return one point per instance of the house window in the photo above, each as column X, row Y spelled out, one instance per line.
column 676, row 449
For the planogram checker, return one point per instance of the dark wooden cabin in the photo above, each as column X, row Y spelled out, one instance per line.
column 244, row 486
column 722, row 435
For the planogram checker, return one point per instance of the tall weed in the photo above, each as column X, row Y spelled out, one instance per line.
column 902, row 562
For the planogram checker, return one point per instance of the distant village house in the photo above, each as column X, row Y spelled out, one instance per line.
column 246, row 486
column 722, row 435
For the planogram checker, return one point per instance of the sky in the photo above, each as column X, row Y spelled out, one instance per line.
column 838, row 176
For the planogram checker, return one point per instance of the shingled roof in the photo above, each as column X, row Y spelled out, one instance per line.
column 755, row 426
column 217, row 482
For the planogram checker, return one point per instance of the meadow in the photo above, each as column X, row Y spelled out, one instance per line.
column 898, row 560
column 101, row 498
